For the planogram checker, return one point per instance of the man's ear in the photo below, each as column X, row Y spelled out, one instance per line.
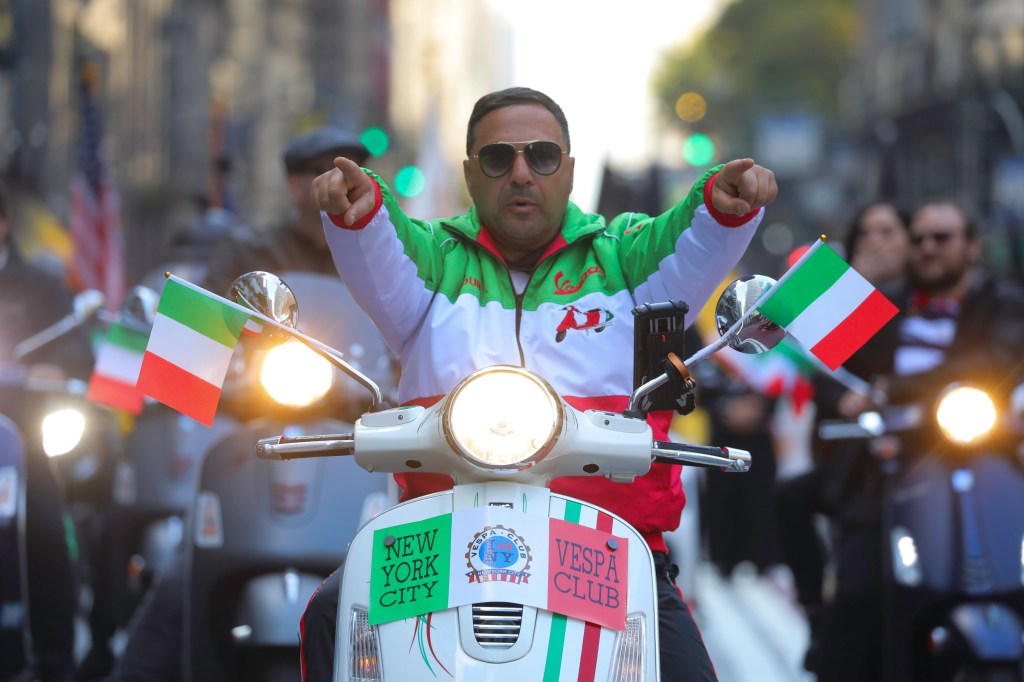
column 572, row 171
column 466, row 175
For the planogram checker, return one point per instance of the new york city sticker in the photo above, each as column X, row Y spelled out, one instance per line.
column 492, row 557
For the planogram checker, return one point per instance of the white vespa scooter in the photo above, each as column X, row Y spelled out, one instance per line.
column 499, row 578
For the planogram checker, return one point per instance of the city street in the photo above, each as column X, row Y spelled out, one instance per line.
column 753, row 633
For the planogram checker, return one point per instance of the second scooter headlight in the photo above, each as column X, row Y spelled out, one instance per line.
column 502, row 417
column 294, row 375
column 62, row 431
column 965, row 414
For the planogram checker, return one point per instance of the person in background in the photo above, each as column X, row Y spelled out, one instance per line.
column 456, row 295
column 153, row 650
column 877, row 244
column 955, row 319
column 299, row 243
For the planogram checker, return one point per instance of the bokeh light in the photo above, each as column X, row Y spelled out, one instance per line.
column 410, row 181
column 698, row 150
column 691, row 107
column 376, row 140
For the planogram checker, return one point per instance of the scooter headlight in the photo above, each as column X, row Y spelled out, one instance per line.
column 965, row 414
column 294, row 375
column 503, row 417
column 62, row 431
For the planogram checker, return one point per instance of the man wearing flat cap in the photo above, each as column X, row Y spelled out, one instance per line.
column 299, row 244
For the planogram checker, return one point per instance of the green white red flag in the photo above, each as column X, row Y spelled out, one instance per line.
column 194, row 335
column 118, row 361
column 826, row 305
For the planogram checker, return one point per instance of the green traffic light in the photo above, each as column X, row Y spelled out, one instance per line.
column 698, row 150
column 376, row 140
column 410, row 181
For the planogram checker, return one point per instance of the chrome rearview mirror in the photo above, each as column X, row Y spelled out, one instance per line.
column 138, row 308
column 756, row 333
column 87, row 302
column 267, row 293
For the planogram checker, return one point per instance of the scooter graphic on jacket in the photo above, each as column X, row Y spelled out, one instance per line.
column 499, row 577
column 596, row 319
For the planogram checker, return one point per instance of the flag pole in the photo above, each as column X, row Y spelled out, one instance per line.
column 254, row 313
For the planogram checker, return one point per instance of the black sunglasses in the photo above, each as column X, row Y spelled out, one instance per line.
column 497, row 159
column 939, row 238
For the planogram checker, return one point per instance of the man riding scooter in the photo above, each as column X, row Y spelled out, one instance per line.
column 457, row 295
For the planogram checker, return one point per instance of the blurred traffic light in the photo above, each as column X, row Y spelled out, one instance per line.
column 698, row 150
column 410, row 181
column 376, row 140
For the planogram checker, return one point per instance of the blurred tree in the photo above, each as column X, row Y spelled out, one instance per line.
column 762, row 57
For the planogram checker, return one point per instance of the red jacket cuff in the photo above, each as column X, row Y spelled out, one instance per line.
column 724, row 219
column 378, row 201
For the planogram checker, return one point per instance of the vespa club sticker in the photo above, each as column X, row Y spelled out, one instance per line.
column 498, row 553
column 492, row 557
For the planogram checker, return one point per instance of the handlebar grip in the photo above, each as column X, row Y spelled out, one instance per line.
column 728, row 459
column 298, row 447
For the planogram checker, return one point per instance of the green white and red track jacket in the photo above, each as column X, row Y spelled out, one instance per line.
column 444, row 300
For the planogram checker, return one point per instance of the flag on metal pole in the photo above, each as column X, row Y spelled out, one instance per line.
column 97, row 259
column 826, row 305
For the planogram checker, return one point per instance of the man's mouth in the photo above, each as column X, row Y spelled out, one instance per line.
column 519, row 205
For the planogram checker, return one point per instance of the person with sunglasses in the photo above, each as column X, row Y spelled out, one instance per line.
column 492, row 286
column 955, row 320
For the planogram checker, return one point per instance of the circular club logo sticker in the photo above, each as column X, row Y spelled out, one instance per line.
column 497, row 554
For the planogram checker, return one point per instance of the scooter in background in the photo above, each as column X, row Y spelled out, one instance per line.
column 38, row 586
column 263, row 535
column 953, row 530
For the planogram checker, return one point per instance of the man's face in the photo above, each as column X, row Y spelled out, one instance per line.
column 942, row 254
column 523, row 210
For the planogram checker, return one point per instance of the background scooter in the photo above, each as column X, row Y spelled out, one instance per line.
column 953, row 534
column 263, row 535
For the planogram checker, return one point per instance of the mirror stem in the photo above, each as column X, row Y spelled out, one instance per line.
column 722, row 341
column 321, row 350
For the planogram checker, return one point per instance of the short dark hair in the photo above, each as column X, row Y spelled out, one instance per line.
column 509, row 97
column 970, row 223
column 853, row 228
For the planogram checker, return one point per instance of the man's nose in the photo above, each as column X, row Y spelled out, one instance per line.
column 521, row 173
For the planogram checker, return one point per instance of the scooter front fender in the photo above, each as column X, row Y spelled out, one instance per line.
column 992, row 631
column 460, row 642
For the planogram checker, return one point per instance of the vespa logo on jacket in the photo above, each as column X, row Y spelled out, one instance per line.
column 564, row 286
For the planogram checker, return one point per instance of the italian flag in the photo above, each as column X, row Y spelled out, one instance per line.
column 826, row 305
column 194, row 335
column 118, row 361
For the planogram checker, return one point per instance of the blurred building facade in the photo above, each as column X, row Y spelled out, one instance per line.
column 198, row 96
column 936, row 98
column 446, row 54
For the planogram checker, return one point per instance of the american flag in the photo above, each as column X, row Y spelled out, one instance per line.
column 97, row 260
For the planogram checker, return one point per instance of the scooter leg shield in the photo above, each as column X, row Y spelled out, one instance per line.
column 490, row 636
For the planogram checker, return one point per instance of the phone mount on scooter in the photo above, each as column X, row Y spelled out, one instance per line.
column 659, row 326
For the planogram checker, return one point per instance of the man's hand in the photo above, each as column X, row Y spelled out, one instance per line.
column 742, row 186
column 344, row 190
